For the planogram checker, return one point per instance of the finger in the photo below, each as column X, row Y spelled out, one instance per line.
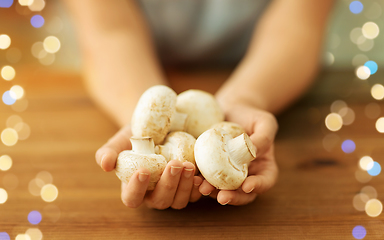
column 106, row 156
column 164, row 193
column 184, row 189
column 132, row 194
column 195, row 194
column 258, row 184
column 264, row 131
column 206, row 188
column 237, row 197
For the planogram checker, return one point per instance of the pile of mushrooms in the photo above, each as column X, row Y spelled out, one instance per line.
column 165, row 127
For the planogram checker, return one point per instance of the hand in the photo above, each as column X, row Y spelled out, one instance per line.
column 176, row 187
column 262, row 173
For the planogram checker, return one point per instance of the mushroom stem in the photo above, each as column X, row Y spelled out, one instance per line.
column 143, row 145
column 163, row 150
column 178, row 122
column 241, row 149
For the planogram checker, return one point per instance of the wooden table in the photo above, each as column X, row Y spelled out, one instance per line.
column 312, row 199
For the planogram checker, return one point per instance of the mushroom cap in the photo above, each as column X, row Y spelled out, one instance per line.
column 214, row 161
column 181, row 146
column 153, row 113
column 128, row 162
column 202, row 109
column 232, row 128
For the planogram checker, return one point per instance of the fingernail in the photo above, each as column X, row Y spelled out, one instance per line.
column 207, row 194
column 143, row 177
column 102, row 160
column 196, row 184
column 226, row 202
column 188, row 172
column 250, row 190
column 175, row 170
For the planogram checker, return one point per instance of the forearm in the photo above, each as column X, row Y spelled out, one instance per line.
column 119, row 62
column 282, row 58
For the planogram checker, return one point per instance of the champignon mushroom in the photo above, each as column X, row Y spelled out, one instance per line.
column 233, row 129
column 178, row 146
column 142, row 155
column 223, row 160
column 155, row 113
column 202, row 109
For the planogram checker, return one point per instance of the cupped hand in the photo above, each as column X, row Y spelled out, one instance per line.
column 262, row 172
column 176, row 188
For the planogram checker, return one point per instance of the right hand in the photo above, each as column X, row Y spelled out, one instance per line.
column 176, row 187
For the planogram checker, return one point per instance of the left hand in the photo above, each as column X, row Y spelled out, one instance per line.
column 262, row 172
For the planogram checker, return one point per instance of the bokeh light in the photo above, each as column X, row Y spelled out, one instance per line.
column 5, row 162
column 37, row 21
column 9, row 137
column 25, row 2
column 370, row 30
column 6, row 3
column 373, row 11
column 36, row 48
column 366, row 44
column 45, row 176
column 377, row 91
column 359, row 60
column 359, row 201
column 46, row 58
column 369, row 191
column 34, row 217
column 359, row 232
column 17, row 91
column 329, row 58
column 356, row 7
column 355, row 34
column 362, row 176
column 23, row 130
column 34, row 233
column 13, row 120
column 375, row 169
column 49, row 193
column 34, row 186
column 10, row 181
column 5, row 41
column 20, row 105
column 372, row 65
column 13, row 55
column 36, row 5
column 366, row 163
column 4, row 236
column 3, row 196
column 51, row 44
column 52, row 212
column 348, row 116
column 380, row 125
column 363, row 72
column 348, row 146
column 22, row 237
column 8, row 98
column 333, row 122
column 372, row 110
column 8, row 73
column 373, row 208
column 338, row 105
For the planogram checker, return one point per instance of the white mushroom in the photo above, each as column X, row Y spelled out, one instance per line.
column 223, row 160
column 233, row 129
column 155, row 113
column 202, row 109
column 142, row 155
column 178, row 146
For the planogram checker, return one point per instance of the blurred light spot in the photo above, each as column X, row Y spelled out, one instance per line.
column 51, row 44
column 355, row 34
column 373, row 208
column 37, row 5
column 49, row 193
column 5, row 163
column 366, row 162
column 333, row 122
column 329, row 59
column 359, row 60
column 25, row 2
column 366, row 45
column 4, row 236
column 377, row 91
column 55, row 25
column 359, row 232
column 52, row 212
column 375, row 169
column 356, row 7
column 45, row 176
column 22, row 237
column 34, row 233
column 348, row 146
column 20, row 105
column 372, row 110
column 6, row 3
column 370, row 30
column 37, row 21
column 23, row 130
column 47, row 58
column 8, row 99
column 3, row 196
column 34, row 217
column 362, row 176
column 359, row 201
column 338, row 105
column 34, row 186
column 330, row 141
column 18, row 91
column 13, row 55
column 348, row 116
column 363, row 72
column 369, row 191
column 9, row 137
column 10, row 181
column 36, row 48
column 372, row 65
column 374, row 11
column 380, row 125
column 8, row 73
column 5, row 41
